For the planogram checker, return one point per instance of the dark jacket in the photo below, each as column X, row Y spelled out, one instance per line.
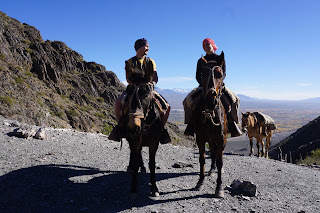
column 214, row 57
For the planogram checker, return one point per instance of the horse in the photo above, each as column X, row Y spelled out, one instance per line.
column 256, row 127
column 210, row 123
column 143, row 129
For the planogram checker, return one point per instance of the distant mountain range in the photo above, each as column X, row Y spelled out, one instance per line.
column 248, row 98
column 176, row 96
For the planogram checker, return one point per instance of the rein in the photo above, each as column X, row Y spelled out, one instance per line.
column 208, row 114
column 144, row 127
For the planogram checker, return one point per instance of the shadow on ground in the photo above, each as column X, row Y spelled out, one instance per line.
column 68, row 188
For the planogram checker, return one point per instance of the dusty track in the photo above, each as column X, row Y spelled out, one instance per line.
column 83, row 172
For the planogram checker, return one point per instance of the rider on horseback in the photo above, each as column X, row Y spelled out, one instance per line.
column 139, row 69
column 229, row 99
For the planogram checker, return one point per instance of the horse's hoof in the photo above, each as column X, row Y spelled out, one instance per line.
column 222, row 170
column 211, row 173
column 143, row 170
column 129, row 170
column 133, row 196
column 199, row 187
column 219, row 194
column 155, row 194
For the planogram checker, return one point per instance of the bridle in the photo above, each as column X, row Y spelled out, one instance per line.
column 215, row 91
column 144, row 111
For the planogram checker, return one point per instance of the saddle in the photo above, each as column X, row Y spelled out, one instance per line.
column 160, row 102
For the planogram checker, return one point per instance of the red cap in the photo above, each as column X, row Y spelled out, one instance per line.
column 209, row 40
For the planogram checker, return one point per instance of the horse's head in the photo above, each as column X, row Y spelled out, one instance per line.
column 211, row 77
column 139, row 105
column 246, row 121
column 211, row 86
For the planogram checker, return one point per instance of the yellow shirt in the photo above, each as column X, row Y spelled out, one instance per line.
column 141, row 70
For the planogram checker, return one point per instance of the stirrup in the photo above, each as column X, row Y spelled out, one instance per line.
column 115, row 134
column 234, row 130
column 189, row 130
column 165, row 137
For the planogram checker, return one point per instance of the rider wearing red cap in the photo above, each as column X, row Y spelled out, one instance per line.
column 228, row 98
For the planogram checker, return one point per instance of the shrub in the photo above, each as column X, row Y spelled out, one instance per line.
column 72, row 112
column 6, row 100
column 39, row 101
column 19, row 68
column 106, row 130
column 100, row 99
column 313, row 158
column 2, row 57
column 29, row 50
column 86, row 108
column 28, row 73
column 26, row 41
column 59, row 114
column 100, row 115
column 19, row 80
column 64, row 97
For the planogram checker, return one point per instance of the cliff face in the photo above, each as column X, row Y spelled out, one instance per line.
column 47, row 83
column 299, row 144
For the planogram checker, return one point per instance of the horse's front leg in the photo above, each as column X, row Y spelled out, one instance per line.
column 268, row 141
column 251, row 147
column 258, row 146
column 141, row 165
column 263, row 150
column 219, row 191
column 201, row 146
column 134, row 166
column 152, row 166
column 213, row 148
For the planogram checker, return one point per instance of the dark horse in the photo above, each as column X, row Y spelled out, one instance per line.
column 144, row 129
column 209, row 120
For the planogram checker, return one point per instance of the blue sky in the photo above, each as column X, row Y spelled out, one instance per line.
column 271, row 47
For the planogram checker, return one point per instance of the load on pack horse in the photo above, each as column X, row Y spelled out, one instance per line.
column 209, row 120
column 143, row 115
column 259, row 126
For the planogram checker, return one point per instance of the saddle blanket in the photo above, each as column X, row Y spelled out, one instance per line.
column 266, row 119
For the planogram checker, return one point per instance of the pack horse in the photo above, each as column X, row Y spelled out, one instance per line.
column 259, row 126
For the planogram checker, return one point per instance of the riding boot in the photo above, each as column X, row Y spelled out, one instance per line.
column 234, row 129
column 189, row 130
column 115, row 134
column 165, row 137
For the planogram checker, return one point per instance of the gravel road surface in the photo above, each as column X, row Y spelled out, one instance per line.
column 72, row 171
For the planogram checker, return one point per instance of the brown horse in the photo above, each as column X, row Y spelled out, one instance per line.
column 256, row 127
column 210, row 123
column 144, row 129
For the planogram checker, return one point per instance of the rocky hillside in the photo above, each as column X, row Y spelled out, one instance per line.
column 299, row 144
column 47, row 83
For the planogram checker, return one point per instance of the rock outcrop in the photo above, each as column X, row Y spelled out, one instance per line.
column 46, row 83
